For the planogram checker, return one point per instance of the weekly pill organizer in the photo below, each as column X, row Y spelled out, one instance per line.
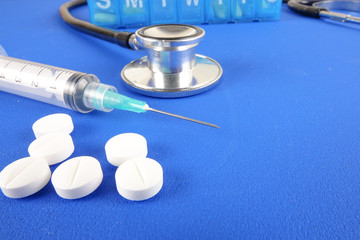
column 136, row 13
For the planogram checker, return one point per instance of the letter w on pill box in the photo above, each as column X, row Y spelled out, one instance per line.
column 137, row 13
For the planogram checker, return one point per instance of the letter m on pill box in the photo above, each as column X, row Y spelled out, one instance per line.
column 134, row 3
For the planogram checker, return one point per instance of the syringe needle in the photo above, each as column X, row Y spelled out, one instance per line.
column 114, row 100
column 185, row 118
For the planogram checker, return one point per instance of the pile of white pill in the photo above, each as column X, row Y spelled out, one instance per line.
column 137, row 177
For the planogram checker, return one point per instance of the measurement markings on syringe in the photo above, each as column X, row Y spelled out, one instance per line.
column 31, row 74
column 18, row 79
column 37, row 76
column 54, row 87
column 34, row 79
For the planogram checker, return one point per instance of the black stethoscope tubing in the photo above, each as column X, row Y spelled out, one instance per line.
column 318, row 9
column 305, row 7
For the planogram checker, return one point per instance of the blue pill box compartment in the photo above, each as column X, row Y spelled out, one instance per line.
column 268, row 10
column 162, row 12
column 134, row 13
column 218, row 11
column 191, row 11
column 139, row 13
column 105, row 13
column 243, row 10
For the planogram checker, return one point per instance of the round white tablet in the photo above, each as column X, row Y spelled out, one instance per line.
column 58, row 122
column 139, row 179
column 54, row 147
column 125, row 146
column 77, row 177
column 24, row 177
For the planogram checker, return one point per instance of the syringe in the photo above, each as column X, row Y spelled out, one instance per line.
column 66, row 88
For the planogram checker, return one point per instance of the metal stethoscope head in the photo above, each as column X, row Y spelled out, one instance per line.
column 170, row 69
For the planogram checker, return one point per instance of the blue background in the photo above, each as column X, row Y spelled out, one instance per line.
column 284, row 165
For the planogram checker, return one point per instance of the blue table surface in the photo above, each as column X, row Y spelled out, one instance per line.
column 284, row 165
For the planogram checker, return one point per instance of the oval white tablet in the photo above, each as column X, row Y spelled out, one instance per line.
column 125, row 146
column 54, row 147
column 77, row 177
column 58, row 122
column 139, row 179
column 24, row 177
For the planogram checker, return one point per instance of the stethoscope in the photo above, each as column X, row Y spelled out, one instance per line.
column 327, row 9
column 171, row 67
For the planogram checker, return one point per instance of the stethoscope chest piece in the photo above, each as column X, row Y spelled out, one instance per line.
column 171, row 68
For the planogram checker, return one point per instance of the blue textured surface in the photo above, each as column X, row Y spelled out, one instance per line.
column 284, row 165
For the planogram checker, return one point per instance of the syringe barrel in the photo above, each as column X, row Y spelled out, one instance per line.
column 57, row 86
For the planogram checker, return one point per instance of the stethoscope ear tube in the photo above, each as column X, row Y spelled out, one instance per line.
column 305, row 8
column 324, row 9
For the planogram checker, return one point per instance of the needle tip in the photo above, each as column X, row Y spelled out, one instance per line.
column 182, row 117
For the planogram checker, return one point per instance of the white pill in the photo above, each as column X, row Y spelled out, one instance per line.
column 125, row 146
column 24, row 177
column 58, row 122
column 139, row 179
column 77, row 177
column 54, row 147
